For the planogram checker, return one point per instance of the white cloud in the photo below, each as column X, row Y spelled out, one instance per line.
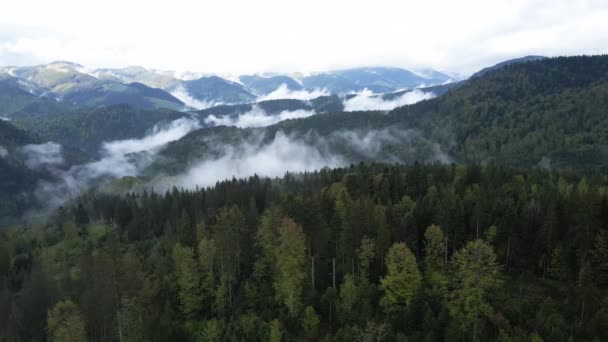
column 257, row 117
column 283, row 92
column 460, row 36
column 366, row 100
column 183, row 95
column 273, row 160
column 117, row 161
column 3, row 152
column 37, row 155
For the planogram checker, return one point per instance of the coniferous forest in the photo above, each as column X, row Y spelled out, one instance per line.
column 370, row 252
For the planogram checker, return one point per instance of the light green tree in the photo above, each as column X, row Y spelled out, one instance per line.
column 477, row 273
column 188, row 280
column 291, row 272
column 65, row 323
column 276, row 332
column 310, row 323
column 402, row 279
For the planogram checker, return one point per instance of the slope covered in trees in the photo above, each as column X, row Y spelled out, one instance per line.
column 368, row 252
column 87, row 129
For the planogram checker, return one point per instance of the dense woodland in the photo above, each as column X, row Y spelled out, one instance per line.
column 364, row 253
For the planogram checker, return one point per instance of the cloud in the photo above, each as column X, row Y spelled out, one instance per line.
column 37, row 155
column 270, row 160
column 3, row 152
column 287, row 153
column 257, row 117
column 119, row 158
column 283, row 92
column 183, row 95
column 366, row 100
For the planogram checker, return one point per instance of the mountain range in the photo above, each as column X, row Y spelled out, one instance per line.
column 539, row 112
column 63, row 86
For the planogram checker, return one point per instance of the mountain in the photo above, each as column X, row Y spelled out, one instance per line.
column 376, row 79
column 136, row 74
column 524, row 59
column 215, row 90
column 548, row 113
column 14, row 99
column 66, row 82
column 266, row 85
column 88, row 129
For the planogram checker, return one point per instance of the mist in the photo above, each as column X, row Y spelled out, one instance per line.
column 252, row 157
column 283, row 92
column 118, row 159
column 37, row 155
column 367, row 100
column 257, row 117
column 3, row 152
column 180, row 93
column 308, row 152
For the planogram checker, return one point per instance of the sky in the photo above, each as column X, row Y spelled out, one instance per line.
column 231, row 36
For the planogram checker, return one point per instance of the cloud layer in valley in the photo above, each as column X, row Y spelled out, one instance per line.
column 180, row 93
column 37, row 155
column 286, row 153
column 283, row 92
column 256, row 117
column 119, row 158
column 367, row 100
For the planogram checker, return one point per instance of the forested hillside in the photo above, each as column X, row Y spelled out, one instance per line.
column 550, row 112
column 365, row 253
column 88, row 129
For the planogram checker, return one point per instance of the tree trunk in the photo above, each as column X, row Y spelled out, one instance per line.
column 312, row 272
column 333, row 264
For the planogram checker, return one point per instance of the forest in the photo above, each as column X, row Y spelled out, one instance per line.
column 369, row 252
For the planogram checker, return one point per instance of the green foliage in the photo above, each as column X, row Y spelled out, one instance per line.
column 291, row 252
column 65, row 323
column 434, row 248
column 188, row 280
column 254, row 246
column 477, row 273
column 310, row 323
column 402, row 279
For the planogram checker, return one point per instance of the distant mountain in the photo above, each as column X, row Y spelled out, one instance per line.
column 525, row 59
column 65, row 82
column 376, row 79
column 216, row 90
column 136, row 74
column 266, row 85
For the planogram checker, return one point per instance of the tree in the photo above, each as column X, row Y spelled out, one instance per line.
column 476, row 274
column 310, row 323
column 81, row 218
column 65, row 323
column 367, row 253
column 402, row 279
column 434, row 247
column 188, row 280
column 349, row 294
column 291, row 272
column 276, row 332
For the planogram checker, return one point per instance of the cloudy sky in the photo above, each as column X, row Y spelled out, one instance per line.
column 231, row 36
